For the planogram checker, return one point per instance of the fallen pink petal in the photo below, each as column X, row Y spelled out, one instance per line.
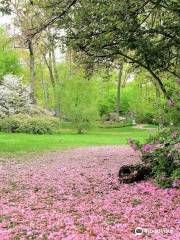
column 75, row 194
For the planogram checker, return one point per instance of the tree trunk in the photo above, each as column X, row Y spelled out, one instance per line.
column 32, row 69
column 158, row 94
column 54, row 66
column 45, row 89
column 160, row 83
column 56, row 76
column 53, row 82
column 50, row 67
column 118, row 97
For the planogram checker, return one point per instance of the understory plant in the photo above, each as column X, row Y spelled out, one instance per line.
column 79, row 104
column 29, row 124
column 162, row 153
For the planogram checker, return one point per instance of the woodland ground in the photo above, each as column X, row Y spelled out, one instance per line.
column 75, row 195
column 17, row 144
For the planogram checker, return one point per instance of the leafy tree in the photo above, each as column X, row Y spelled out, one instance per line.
column 25, row 18
column 145, row 33
column 9, row 61
column 79, row 103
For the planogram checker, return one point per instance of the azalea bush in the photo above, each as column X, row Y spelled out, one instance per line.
column 29, row 124
column 162, row 152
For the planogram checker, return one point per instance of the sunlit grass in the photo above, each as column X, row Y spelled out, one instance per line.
column 12, row 144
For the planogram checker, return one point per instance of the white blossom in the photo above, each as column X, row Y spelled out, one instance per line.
column 15, row 97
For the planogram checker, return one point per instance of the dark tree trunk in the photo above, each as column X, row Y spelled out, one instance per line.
column 160, row 83
column 118, row 97
column 32, row 69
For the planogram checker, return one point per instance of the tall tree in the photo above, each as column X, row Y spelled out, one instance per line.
column 145, row 33
column 47, row 49
column 25, row 17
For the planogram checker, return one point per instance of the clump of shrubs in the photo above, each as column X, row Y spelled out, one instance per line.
column 18, row 113
column 162, row 153
column 29, row 124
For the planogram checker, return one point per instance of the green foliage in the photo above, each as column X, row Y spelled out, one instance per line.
column 139, row 34
column 143, row 98
column 107, row 101
column 9, row 61
column 137, row 99
column 114, row 125
column 107, row 96
column 162, row 151
column 28, row 124
column 166, row 156
column 79, row 103
column 166, row 113
column 176, row 175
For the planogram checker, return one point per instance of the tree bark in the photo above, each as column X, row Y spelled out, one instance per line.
column 45, row 89
column 56, row 75
column 118, row 97
column 32, row 69
column 49, row 66
column 161, row 85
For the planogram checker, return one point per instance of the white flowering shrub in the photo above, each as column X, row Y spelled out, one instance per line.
column 15, row 97
column 17, row 111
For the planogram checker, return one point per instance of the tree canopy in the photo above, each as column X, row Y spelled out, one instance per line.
column 5, row 6
column 145, row 33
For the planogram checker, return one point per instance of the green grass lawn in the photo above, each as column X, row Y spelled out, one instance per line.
column 15, row 144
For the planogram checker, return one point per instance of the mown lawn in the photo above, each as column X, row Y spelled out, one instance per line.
column 12, row 144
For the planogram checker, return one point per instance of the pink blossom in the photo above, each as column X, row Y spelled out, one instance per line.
column 75, row 194
column 176, row 183
column 174, row 134
column 134, row 147
column 147, row 147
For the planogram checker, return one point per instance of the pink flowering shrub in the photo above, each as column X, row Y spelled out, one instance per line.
column 163, row 153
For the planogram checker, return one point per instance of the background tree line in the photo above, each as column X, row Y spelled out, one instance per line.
column 119, row 57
